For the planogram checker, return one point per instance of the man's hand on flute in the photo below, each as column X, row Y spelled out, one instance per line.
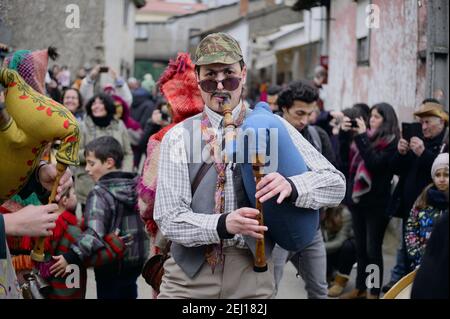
column 243, row 221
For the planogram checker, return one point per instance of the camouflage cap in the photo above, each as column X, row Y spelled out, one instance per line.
column 218, row 48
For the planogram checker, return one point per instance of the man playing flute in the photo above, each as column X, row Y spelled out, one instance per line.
column 201, row 207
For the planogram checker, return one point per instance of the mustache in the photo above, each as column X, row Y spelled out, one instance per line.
column 224, row 95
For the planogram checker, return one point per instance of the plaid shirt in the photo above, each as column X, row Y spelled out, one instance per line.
column 322, row 186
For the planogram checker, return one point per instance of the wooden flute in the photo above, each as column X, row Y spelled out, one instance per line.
column 260, row 264
column 229, row 129
column 37, row 254
column 260, row 252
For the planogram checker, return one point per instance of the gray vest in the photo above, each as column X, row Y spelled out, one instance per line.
column 191, row 259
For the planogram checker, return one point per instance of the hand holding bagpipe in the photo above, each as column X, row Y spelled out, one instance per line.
column 271, row 185
column 291, row 227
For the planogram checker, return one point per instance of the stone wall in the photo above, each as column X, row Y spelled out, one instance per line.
column 395, row 71
column 38, row 24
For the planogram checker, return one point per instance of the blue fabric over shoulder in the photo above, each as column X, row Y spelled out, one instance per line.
column 291, row 227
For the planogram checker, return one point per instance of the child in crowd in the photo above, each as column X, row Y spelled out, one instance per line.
column 428, row 208
column 66, row 232
column 112, row 207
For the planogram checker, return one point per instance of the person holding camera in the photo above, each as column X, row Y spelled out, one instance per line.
column 412, row 163
column 345, row 135
column 120, row 85
column 370, row 180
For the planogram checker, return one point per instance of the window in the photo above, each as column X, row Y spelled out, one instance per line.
column 141, row 31
column 362, row 34
column 194, row 39
column 363, row 52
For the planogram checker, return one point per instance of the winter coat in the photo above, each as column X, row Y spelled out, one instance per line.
column 421, row 222
column 110, row 205
column 376, row 160
column 90, row 131
column 431, row 281
column 414, row 176
column 142, row 106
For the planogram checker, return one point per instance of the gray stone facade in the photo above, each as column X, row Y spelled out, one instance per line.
column 43, row 23
column 37, row 24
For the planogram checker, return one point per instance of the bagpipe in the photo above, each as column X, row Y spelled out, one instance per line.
column 263, row 146
column 28, row 123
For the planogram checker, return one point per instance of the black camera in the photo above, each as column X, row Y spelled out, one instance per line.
column 353, row 123
column 410, row 130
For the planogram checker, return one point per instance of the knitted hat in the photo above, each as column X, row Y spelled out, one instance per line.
column 440, row 162
column 31, row 66
column 126, row 118
column 109, row 89
column 179, row 86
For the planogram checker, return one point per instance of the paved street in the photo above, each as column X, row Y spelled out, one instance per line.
column 290, row 286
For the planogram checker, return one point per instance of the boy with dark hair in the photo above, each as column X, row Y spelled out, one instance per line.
column 112, row 206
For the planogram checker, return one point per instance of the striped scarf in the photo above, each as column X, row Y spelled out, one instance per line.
column 214, row 252
column 361, row 176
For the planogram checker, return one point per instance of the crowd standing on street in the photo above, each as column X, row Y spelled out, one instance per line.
column 140, row 189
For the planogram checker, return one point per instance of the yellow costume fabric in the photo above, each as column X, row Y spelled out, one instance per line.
column 36, row 120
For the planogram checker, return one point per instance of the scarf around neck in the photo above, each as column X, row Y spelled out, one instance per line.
column 362, row 177
column 214, row 252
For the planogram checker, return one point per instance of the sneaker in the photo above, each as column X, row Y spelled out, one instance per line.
column 388, row 286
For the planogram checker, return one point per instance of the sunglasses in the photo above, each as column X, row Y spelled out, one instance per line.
column 229, row 84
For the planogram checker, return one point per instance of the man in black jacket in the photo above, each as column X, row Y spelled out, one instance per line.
column 412, row 163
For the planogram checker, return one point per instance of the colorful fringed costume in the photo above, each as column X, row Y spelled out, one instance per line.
column 35, row 121
column 179, row 86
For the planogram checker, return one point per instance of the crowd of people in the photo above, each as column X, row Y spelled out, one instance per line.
column 139, row 189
